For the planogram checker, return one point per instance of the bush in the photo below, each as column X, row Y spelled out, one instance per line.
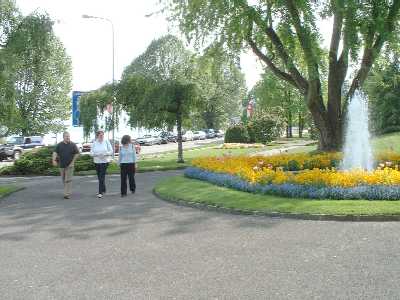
column 39, row 162
column 237, row 134
column 262, row 129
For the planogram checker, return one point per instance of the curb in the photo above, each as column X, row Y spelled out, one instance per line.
column 309, row 217
column 17, row 189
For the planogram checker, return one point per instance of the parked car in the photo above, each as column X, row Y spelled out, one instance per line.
column 219, row 133
column 199, row 135
column 149, row 140
column 187, row 136
column 210, row 133
column 86, row 147
column 167, row 137
column 16, row 145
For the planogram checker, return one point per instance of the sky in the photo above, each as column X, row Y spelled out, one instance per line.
column 89, row 41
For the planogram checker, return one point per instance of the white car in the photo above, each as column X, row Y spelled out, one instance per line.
column 199, row 135
column 188, row 136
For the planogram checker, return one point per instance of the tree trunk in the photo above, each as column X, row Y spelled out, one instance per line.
column 330, row 132
column 301, row 125
column 179, row 129
column 289, row 131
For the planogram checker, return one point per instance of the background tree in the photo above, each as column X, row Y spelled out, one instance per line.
column 282, row 33
column 383, row 90
column 221, row 87
column 158, row 88
column 9, row 18
column 271, row 92
column 94, row 104
column 40, row 75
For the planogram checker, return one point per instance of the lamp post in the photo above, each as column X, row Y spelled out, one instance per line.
column 113, row 76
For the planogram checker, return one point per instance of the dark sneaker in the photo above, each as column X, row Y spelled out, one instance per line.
column 66, row 197
column 123, row 195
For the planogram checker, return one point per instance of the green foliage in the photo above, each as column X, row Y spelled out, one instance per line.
column 272, row 93
column 39, row 162
column 221, row 87
column 93, row 104
column 286, row 36
column 158, row 89
column 237, row 134
column 383, row 89
column 9, row 18
column 263, row 127
column 40, row 73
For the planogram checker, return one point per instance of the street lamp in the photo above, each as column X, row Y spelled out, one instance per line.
column 113, row 75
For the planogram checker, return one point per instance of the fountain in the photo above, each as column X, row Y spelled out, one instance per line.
column 357, row 151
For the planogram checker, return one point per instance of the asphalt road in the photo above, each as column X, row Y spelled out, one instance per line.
column 140, row 247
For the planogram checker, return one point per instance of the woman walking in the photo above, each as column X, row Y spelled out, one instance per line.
column 127, row 163
column 101, row 152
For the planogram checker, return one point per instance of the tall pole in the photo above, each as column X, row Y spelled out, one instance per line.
column 113, row 91
column 113, row 77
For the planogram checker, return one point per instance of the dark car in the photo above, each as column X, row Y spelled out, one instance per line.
column 168, row 137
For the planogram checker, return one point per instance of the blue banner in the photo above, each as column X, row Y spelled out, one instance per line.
column 75, row 108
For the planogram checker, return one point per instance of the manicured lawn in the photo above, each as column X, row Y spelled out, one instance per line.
column 387, row 142
column 191, row 190
column 7, row 189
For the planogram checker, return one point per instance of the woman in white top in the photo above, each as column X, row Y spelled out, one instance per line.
column 101, row 152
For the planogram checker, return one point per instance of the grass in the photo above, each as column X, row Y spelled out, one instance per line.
column 191, row 190
column 387, row 142
column 167, row 161
column 6, row 190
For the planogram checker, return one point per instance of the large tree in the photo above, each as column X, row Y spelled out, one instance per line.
column 283, row 33
column 40, row 76
column 158, row 88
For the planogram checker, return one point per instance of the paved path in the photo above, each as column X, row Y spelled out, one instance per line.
column 286, row 147
column 142, row 248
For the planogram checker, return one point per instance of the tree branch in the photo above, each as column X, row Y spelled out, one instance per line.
column 371, row 53
column 287, row 60
column 281, row 74
column 266, row 26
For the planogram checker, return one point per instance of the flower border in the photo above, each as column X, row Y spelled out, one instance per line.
column 370, row 192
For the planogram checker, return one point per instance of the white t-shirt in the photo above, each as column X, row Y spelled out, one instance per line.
column 101, row 152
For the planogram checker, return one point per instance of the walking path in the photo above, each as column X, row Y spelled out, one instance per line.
column 140, row 247
column 286, row 147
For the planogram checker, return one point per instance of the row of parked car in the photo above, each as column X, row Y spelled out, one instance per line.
column 15, row 146
column 170, row 137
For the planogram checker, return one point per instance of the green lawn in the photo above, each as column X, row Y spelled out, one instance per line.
column 167, row 161
column 7, row 189
column 387, row 142
column 191, row 190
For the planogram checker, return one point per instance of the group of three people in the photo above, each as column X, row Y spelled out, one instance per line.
column 66, row 153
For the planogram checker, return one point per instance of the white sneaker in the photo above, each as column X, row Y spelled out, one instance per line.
column 99, row 195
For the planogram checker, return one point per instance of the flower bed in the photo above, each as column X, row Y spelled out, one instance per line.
column 371, row 192
column 301, row 175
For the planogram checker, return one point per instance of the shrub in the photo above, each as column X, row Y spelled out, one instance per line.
column 237, row 134
column 263, row 128
column 39, row 162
